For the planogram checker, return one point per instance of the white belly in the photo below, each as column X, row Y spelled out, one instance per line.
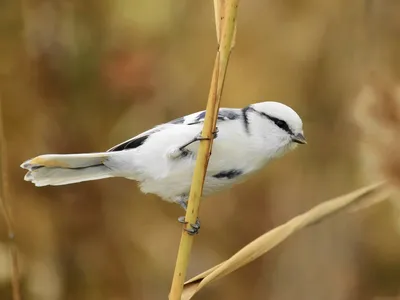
column 170, row 178
column 172, row 187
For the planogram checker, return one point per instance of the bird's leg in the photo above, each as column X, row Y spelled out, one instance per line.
column 194, row 228
column 198, row 138
column 182, row 152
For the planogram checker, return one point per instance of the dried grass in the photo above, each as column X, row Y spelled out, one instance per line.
column 370, row 194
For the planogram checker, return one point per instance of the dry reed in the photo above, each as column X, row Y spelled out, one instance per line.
column 370, row 194
column 226, row 12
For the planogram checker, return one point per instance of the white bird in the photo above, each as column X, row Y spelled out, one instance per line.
column 162, row 159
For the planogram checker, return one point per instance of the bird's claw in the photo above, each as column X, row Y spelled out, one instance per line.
column 182, row 152
column 194, row 228
column 214, row 133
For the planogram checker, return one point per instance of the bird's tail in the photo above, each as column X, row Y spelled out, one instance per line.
column 60, row 169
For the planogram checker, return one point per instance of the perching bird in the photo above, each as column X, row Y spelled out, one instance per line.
column 162, row 159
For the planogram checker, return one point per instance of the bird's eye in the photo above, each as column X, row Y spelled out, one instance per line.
column 278, row 122
column 281, row 124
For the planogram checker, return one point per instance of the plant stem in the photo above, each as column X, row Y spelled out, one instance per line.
column 213, row 104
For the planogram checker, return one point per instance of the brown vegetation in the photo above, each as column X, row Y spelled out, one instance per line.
column 80, row 76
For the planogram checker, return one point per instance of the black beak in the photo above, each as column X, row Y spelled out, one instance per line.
column 299, row 138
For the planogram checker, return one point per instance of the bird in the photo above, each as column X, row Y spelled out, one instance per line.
column 162, row 159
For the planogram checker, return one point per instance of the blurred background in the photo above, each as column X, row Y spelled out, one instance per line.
column 81, row 76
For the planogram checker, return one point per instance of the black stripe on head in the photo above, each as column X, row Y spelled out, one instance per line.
column 278, row 122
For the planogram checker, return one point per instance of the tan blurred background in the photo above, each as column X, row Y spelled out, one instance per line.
column 80, row 76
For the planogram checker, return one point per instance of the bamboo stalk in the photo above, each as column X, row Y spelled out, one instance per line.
column 213, row 104
column 6, row 213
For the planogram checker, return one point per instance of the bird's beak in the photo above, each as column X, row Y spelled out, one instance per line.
column 299, row 138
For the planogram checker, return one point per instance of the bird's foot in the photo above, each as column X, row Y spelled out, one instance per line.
column 183, row 152
column 199, row 137
column 194, row 228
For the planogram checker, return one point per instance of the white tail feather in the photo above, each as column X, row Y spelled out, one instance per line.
column 58, row 176
column 60, row 169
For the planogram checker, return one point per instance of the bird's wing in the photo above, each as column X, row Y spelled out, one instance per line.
column 224, row 114
column 136, row 141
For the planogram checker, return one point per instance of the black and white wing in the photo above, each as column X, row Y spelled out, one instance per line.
column 224, row 114
column 136, row 141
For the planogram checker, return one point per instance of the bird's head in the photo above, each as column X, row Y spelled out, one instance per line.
column 277, row 125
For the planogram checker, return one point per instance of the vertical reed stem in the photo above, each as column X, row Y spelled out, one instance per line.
column 225, row 17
